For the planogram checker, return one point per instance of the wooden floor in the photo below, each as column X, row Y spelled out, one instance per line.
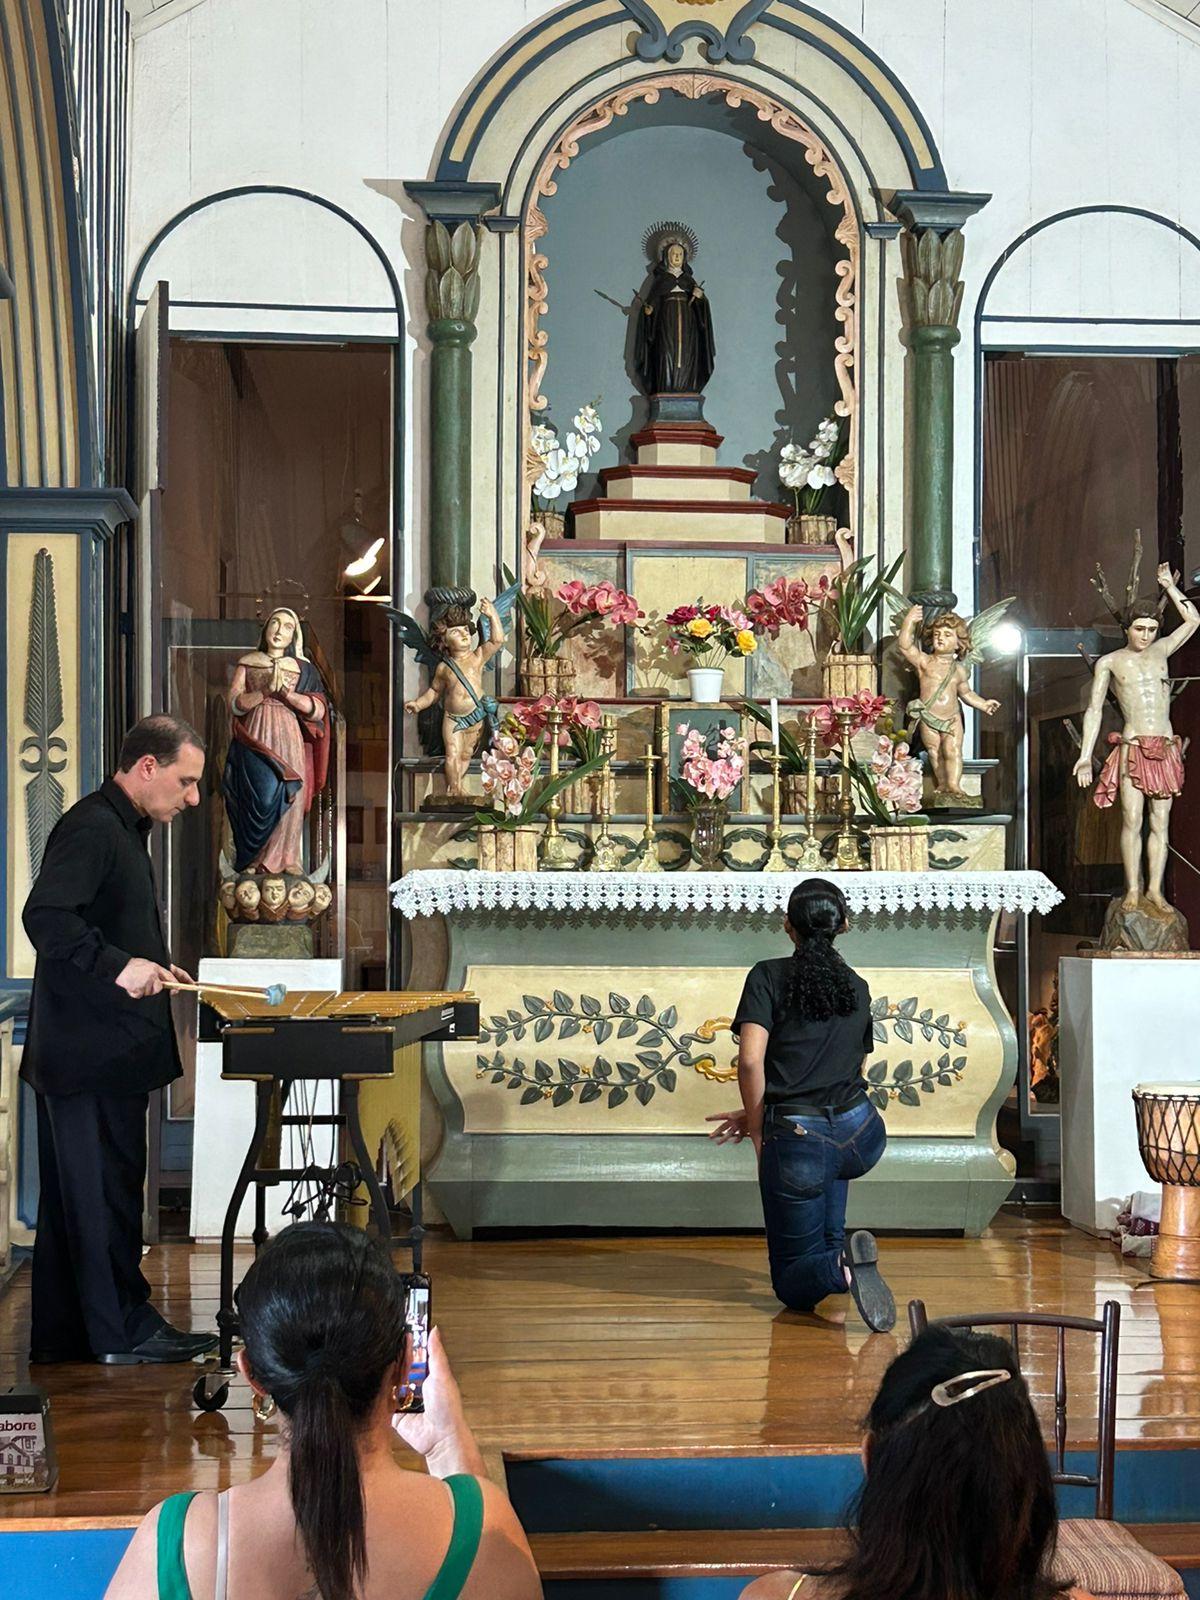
column 647, row 1346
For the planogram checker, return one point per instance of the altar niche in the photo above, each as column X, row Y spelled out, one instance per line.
column 771, row 243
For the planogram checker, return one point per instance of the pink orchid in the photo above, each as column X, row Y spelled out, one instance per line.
column 574, row 596
column 587, row 714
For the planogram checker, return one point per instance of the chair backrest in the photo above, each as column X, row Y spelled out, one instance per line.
column 1107, row 1330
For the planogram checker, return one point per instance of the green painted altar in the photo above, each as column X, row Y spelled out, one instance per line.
column 605, row 1006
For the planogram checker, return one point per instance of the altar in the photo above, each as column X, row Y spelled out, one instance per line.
column 605, row 1002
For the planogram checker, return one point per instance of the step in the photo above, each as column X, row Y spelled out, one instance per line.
column 682, row 521
column 748, row 1552
column 718, row 484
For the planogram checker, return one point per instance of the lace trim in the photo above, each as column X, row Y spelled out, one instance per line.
column 434, row 892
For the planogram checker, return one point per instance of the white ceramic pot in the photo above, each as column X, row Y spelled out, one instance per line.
column 705, row 684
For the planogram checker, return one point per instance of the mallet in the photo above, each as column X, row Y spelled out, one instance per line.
column 273, row 994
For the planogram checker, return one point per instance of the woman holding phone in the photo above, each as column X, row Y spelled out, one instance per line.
column 322, row 1313
column 803, row 1028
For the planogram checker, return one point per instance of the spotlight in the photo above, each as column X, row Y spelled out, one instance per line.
column 362, row 574
column 1007, row 639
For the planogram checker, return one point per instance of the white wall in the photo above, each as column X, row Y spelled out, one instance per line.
column 1047, row 104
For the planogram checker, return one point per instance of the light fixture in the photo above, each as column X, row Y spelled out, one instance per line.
column 1007, row 639
column 362, row 574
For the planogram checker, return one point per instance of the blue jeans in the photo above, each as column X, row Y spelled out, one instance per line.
column 807, row 1162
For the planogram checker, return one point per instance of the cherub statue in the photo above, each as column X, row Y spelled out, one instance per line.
column 942, row 651
column 1146, row 759
column 457, row 665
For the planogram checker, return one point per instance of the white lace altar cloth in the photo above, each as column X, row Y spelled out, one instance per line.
column 432, row 892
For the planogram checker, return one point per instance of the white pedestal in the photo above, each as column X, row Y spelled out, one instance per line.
column 224, row 1116
column 1120, row 1023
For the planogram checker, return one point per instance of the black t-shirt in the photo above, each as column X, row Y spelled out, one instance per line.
column 808, row 1063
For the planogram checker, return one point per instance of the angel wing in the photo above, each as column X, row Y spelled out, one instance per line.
column 898, row 606
column 981, row 629
column 505, row 604
column 414, row 638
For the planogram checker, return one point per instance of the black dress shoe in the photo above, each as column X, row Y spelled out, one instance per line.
column 871, row 1295
column 161, row 1347
column 47, row 1358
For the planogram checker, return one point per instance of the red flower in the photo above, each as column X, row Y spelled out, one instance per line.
column 682, row 614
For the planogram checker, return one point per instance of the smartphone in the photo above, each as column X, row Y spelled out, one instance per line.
column 416, row 1320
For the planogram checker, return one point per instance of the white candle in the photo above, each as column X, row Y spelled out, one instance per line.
column 775, row 725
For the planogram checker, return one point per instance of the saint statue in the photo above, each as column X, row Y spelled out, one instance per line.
column 279, row 754
column 673, row 343
column 1145, row 762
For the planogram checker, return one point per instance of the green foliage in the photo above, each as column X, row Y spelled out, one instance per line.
column 855, row 599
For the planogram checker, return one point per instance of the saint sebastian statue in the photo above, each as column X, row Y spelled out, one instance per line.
column 1145, row 762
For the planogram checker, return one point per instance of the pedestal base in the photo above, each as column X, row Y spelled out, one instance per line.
column 1145, row 928
column 1177, row 1249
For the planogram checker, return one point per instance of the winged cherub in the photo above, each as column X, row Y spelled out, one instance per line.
column 942, row 652
column 456, row 664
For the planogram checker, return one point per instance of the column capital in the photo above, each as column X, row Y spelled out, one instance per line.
column 929, row 211
column 453, row 200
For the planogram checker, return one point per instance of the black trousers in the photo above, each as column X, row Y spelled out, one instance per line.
column 88, row 1289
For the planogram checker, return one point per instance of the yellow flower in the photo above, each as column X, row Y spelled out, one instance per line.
column 746, row 642
column 699, row 627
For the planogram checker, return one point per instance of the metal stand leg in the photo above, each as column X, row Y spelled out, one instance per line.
column 383, row 1220
column 226, row 1315
column 416, row 1237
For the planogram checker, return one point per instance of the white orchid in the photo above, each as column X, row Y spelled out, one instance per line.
column 829, row 429
column 587, row 420
column 561, row 473
column 582, row 446
column 543, row 439
column 821, row 476
column 794, row 473
column 791, row 452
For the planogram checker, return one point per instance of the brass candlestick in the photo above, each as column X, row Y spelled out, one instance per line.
column 811, row 859
column 606, row 853
column 847, row 856
column 555, row 852
column 646, row 859
column 775, row 861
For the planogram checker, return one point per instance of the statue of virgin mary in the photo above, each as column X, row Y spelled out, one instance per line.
column 673, row 343
column 279, row 754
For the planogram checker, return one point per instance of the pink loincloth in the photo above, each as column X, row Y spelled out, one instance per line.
column 1154, row 765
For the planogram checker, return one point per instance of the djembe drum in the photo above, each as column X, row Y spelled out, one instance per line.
column 1168, row 1122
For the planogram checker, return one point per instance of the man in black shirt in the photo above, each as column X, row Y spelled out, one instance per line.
column 100, row 1038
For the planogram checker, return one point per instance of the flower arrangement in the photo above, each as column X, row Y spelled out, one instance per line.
column 711, row 765
column 867, row 708
column 854, row 600
column 581, row 724
column 512, row 780
column 550, row 619
column 710, row 633
column 810, row 473
column 890, row 785
column 786, row 602
column 561, row 465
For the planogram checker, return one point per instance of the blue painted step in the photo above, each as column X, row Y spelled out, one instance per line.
column 558, row 1495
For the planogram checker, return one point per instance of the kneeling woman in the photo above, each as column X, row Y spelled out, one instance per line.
column 803, row 1027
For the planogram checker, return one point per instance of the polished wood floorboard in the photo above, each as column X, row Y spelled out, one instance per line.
column 645, row 1346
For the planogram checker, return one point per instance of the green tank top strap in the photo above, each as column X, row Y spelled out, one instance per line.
column 172, row 1574
column 464, row 1538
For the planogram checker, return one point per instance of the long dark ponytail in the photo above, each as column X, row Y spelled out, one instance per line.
column 820, row 984
column 958, row 1502
column 322, row 1314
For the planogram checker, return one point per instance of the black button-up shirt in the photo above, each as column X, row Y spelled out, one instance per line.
column 93, row 907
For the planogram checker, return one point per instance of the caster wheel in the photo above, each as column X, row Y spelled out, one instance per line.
column 210, row 1392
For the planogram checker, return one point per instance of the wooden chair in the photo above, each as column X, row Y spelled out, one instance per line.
column 1097, row 1554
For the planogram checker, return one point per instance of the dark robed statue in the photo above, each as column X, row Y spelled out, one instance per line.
column 673, row 344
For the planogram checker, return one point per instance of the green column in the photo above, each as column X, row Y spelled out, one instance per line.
column 451, row 299
column 931, row 295
column 931, row 461
column 450, row 451
column 454, row 236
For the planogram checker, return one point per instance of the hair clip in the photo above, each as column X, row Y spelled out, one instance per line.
column 944, row 1394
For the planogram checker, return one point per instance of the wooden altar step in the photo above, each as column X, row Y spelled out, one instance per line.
column 693, row 520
